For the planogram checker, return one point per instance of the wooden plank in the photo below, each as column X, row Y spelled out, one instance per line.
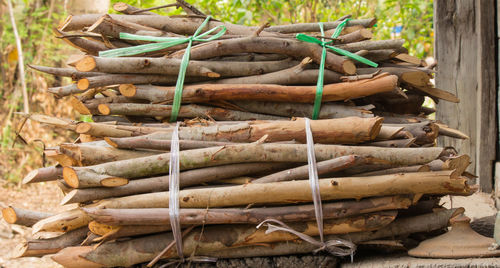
column 456, row 52
column 486, row 100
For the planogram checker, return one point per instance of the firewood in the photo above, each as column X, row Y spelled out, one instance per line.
column 44, row 174
column 41, row 247
column 23, row 216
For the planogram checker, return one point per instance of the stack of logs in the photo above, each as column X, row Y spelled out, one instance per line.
column 243, row 155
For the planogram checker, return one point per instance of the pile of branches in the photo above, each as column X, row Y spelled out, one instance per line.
column 243, row 147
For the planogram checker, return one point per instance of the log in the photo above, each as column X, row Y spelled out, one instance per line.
column 113, row 79
column 323, row 167
column 155, row 184
column 186, row 111
column 146, row 248
column 68, row 72
column 43, row 174
column 300, row 94
column 143, row 142
column 372, row 45
column 215, row 156
column 327, row 110
column 41, row 247
column 23, row 217
column 408, row 169
column 88, row 155
column 424, row 132
column 350, row 130
column 359, row 35
column 331, row 210
column 288, row 47
column 251, row 57
column 109, row 27
column 130, row 10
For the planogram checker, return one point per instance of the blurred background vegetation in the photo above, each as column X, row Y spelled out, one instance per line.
column 36, row 19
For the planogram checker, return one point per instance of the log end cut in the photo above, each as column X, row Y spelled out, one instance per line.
column 109, row 140
column 9, row 215
column 30, row 177
column 120, row 7
column 83, row 84
column 86, row 64
column 349, row 67
column 114, row 182
column 70, row 177
column 83, row 128
column 127, row 90
column 104, row 109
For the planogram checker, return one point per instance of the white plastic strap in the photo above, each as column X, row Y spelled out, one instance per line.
column 173, row 188
column 313, row 178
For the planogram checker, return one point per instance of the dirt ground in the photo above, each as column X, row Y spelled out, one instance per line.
column 46, row 197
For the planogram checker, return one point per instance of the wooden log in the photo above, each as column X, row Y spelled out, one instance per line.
column 331, row 210
column 186, row 111
column 372, row 45
column 41, row 247
column 401, row 143
column 215, row 156
column 424, row 133
column 143, row 142
column 43, row 174
column 408, row 169
column 349, row 130
column 288, row 47
column 359, row 35
column 170, row 66
column 88, row 155
column 155, row 184
column 240, row 235
column 327, row 110
column 130, row 10
column 323, row 167
column 109, row 27
column 23, row 217
column 113, row 79
column 300, row 94
column 69, row 72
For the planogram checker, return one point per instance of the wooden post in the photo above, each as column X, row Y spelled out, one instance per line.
column 465, row 33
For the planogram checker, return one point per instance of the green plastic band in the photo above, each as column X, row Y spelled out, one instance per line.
column 165, row 42
column 322, row 43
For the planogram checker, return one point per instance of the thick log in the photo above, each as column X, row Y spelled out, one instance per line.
column 23, row 217
column 215, row 156
column 143, row 142
column 169, row 66
column 288, row 47
column 349, row 130
column 331, row 210
column 237, row 235
column 155, row 184
column 41, row 247
column 301, row 94
column 88, row 155
column 43, row 174
column 327, row 110
column 323, row 167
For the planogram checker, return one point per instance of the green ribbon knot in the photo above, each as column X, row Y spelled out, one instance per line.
column 165, row 42
column 325, row 45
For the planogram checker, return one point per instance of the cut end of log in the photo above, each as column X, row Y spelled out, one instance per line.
column 78, row 105
column 366, row 33
column 102, row 229
column 83, row 128
column 68, row 198
column 127, row 90
column 104, row 109
column 28, row 178
column 70, row 177
column 114, row 182
column 109, row 140
column 377, row 125
column 83, row 84
column 9, row 215
column 86, row 64
column 349, row 67
column 120, row 7
column 213, row 75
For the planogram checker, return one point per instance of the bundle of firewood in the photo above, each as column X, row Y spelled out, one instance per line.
column 243, row 154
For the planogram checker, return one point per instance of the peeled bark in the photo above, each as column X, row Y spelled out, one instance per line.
column 41, row 247
column 332, row 210
column 155, row 184
column 301, row 94
column 23, row 217
column 216, row 156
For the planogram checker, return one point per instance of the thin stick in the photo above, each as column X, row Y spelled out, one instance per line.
column 19, row 57
column 154, row 8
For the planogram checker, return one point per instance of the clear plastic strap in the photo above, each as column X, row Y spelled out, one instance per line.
column 173, row 187
column 313, row 178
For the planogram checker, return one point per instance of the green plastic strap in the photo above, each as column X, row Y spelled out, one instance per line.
column 165, row 42
column 324, row 44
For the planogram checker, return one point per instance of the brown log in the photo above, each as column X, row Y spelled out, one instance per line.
column 133, row 65
column 155, row 184
column 323, row 167
column 301, row 94
column 186, row 111
column 88, row 155
column 110, row 27
column 69, row 72
column 450, row 132
column 331, row 210
column 424, row 133
column 288, row 47
column 108, row 232
column 401, row 143
column 64, row 90
column 372, row 45
column 113, row 79
column 359, row 35
column 43, row 174
column 239, row 235
column 23, row 217
column 130, row 10
column 408, row 169
column 251, row 57
column 143, row 142
column 215, row 156
column 327, row 110
column 41, row 247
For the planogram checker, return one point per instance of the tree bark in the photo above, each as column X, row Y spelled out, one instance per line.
column 23, row 217
column 41, row 247
column 87, row 155
column 331, row 210
column 249, row 92
column 43, row 174
column 216, row 156
column 143, row 142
